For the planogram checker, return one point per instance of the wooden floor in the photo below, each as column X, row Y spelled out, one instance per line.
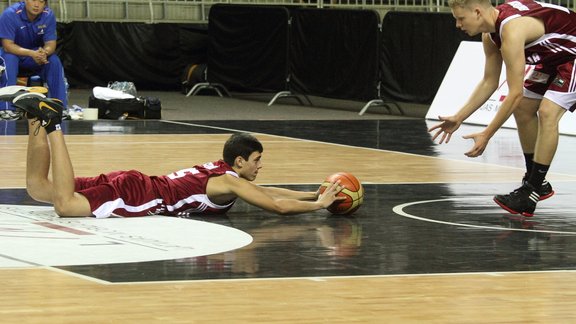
column 428, row 245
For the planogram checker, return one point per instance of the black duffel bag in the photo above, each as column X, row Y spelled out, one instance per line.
column 134, row 108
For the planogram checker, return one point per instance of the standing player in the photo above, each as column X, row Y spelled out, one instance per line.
column 209, row 188
column 28, row 32
column 517, row 33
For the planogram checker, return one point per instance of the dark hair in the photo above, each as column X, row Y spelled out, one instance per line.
column 240, row 144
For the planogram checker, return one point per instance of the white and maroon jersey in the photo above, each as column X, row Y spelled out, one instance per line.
column 557, row 45
column 132, row 193
column 184, row 192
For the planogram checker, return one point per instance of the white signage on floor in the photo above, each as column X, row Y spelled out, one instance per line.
column 35, row 236
column 463, row 75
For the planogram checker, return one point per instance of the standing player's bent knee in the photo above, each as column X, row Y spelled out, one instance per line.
column 524, row 115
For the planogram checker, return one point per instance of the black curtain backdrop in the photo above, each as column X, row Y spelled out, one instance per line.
column 325, row 52
column 334, row 53
column 417, row 49
column 152, row 56
column 248, row 47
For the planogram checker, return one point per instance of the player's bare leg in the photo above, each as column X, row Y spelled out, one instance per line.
column 524, row 199
column 547, row 143
column 527, row 122
column 65, row 200
column 48, row 113
column 38, row 185
column 526, row 117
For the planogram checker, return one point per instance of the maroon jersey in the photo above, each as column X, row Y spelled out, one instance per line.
column 557, row 45
column 131, row 193
column 184, row 191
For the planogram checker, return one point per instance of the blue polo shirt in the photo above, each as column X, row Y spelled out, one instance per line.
column 14, row 25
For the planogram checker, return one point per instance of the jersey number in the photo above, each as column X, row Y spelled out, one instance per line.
column 184, row 172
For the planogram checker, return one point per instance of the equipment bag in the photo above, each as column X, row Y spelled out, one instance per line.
column 118, row 108
column 153, row 108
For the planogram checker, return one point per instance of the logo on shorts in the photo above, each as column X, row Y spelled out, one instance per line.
column 538, row 77
column 558, row 82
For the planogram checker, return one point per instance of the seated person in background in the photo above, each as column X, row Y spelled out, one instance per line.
column 28, row 32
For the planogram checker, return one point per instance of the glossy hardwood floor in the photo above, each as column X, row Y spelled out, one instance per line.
column 428, row 245
column 47, row 296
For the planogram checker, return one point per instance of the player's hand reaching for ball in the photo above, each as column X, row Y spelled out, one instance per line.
column 330, row 195
column 447, row 126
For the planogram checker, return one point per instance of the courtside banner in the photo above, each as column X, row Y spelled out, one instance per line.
column 463, row 75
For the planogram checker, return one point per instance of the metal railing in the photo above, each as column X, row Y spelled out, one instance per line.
column 196, row 11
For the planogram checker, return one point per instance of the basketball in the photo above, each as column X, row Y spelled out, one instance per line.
column 353, row 192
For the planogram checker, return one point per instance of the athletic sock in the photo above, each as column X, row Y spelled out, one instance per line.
column 528, row 159
column 52, row 127
column 538, row 174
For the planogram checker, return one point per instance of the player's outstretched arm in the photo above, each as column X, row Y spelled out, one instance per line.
column 260, row 197
column 482, row 92
column 283, row 193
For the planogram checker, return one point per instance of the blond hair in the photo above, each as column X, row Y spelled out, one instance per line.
column 466, row 3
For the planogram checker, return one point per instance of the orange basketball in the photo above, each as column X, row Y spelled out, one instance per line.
column 353, row 191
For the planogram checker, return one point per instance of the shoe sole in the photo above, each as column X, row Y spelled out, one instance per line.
column 27, row 95
column 512, row 211
column 547, row 196
column 10, row 92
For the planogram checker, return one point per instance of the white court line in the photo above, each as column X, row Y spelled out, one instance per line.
column 399, row 209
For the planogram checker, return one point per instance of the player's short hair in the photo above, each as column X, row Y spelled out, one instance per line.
column 466, row 3
column 240, row 144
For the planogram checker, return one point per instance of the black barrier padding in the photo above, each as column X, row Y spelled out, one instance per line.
column 417, row 49
column 248, row 47
column 334, row 53
column 150, row 55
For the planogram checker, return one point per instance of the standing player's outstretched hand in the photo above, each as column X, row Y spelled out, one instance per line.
column 446, row 127
column 480, row 143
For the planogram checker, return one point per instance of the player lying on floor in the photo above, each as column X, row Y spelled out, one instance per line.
column 208, row 188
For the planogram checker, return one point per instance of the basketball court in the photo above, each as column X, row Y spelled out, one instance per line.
column 427, row 245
